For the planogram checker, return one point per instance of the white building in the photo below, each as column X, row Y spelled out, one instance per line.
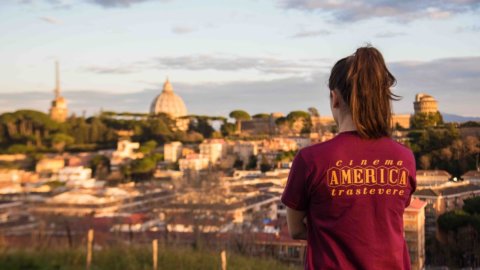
column 74, row 173
column 301, row 141
column 428, row 178
column 172, row 151
column 126, row 150
column 213, row 149
column 194, row 162
column 244, row 149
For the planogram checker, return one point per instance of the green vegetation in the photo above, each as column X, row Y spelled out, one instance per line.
column 265, row 165
column 443, row 148
column 129, row 257
column 252, row 163
column 457, row 246
column 29, row 131
column 423, row 120
column 469, row 215
column 287, row 122
column 261, row 116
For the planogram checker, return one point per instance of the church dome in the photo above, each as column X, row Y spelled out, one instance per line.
column 168, row 102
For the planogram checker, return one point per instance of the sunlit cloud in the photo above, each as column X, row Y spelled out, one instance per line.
column 182, row 29
column 389, row 34
column 315, row 33
column 220, row 63
column 402, row 11
column 50, row 20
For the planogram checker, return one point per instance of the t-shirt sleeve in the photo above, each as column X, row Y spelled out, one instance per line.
column 295, row 192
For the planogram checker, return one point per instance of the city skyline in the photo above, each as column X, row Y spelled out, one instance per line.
column 261, row 56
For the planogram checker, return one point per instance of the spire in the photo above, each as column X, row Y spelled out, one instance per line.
column 167, row 87
column 57, row 80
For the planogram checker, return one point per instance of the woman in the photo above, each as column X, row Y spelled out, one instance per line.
column 346, row 196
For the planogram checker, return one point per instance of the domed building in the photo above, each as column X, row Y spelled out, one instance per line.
column 425, row 104
column 172, row 104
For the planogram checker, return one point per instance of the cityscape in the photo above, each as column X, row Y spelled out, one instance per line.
column 171, row 176
column 160, row 135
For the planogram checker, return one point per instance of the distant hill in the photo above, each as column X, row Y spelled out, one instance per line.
column 447, row 117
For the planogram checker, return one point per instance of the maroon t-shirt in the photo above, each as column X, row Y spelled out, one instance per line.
column 354, row 192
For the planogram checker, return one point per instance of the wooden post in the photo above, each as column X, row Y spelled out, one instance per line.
column 223, row 256
column 89, row 248
column 155, row 254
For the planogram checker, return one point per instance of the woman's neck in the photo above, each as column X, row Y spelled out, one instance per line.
column 345, row 123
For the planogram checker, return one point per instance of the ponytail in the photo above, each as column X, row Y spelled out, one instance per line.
column 364, row 82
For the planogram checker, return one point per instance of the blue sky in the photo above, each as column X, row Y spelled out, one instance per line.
column 257, row 55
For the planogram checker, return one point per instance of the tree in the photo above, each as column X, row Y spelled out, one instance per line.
column 238, row 164
column 142, row 169
column 294, row 116
column 261, row 116
column 148, row 147
column 239, row 116
column 265, row 165
column 313, row 111
column 100, row 166
column 424, row 120
column 227, row 129
column 252, row 163
column 60, row 140
column 201, row 124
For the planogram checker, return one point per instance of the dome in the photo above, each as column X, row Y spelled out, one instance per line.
column 168, row 102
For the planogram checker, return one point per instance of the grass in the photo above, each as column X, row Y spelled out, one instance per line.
column 130, row 258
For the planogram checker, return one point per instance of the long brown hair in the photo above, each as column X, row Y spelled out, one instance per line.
column 364, row 82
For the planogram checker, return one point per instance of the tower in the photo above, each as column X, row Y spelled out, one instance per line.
column 58, row 109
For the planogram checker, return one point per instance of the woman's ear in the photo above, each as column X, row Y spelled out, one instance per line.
column 335, row 99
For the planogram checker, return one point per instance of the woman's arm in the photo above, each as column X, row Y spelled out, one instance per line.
column 296, row 224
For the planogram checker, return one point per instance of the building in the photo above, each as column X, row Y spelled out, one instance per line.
column 244, row 149
column 301, row 141
column 15, row 219
column 414, row 229
column 74, row 173
column 104, row 201
column 322, row 123
column 443, row 198
column 213, row 149
column 193, row 162
column 170, row 103
column 472, row 176
column 77, row 176
column 218, row 209
column 279, row 144
column 256, row 126
column 58, row 109
column 172, row 151
column 425, row 104
column 50, row 165
column 126, row 150
column 402, row 120
column 428, row 178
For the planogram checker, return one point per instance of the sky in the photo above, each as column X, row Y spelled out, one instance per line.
column 261, row 56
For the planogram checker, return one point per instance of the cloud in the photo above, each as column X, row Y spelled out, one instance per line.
column 267, row 65
column 348, row 11
column 117, row 3
column 102, row 3
column 470, row 28
column 452, row 81
column 304, row 34
column 50, row 20
column 182, row 29
column 389, row 34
